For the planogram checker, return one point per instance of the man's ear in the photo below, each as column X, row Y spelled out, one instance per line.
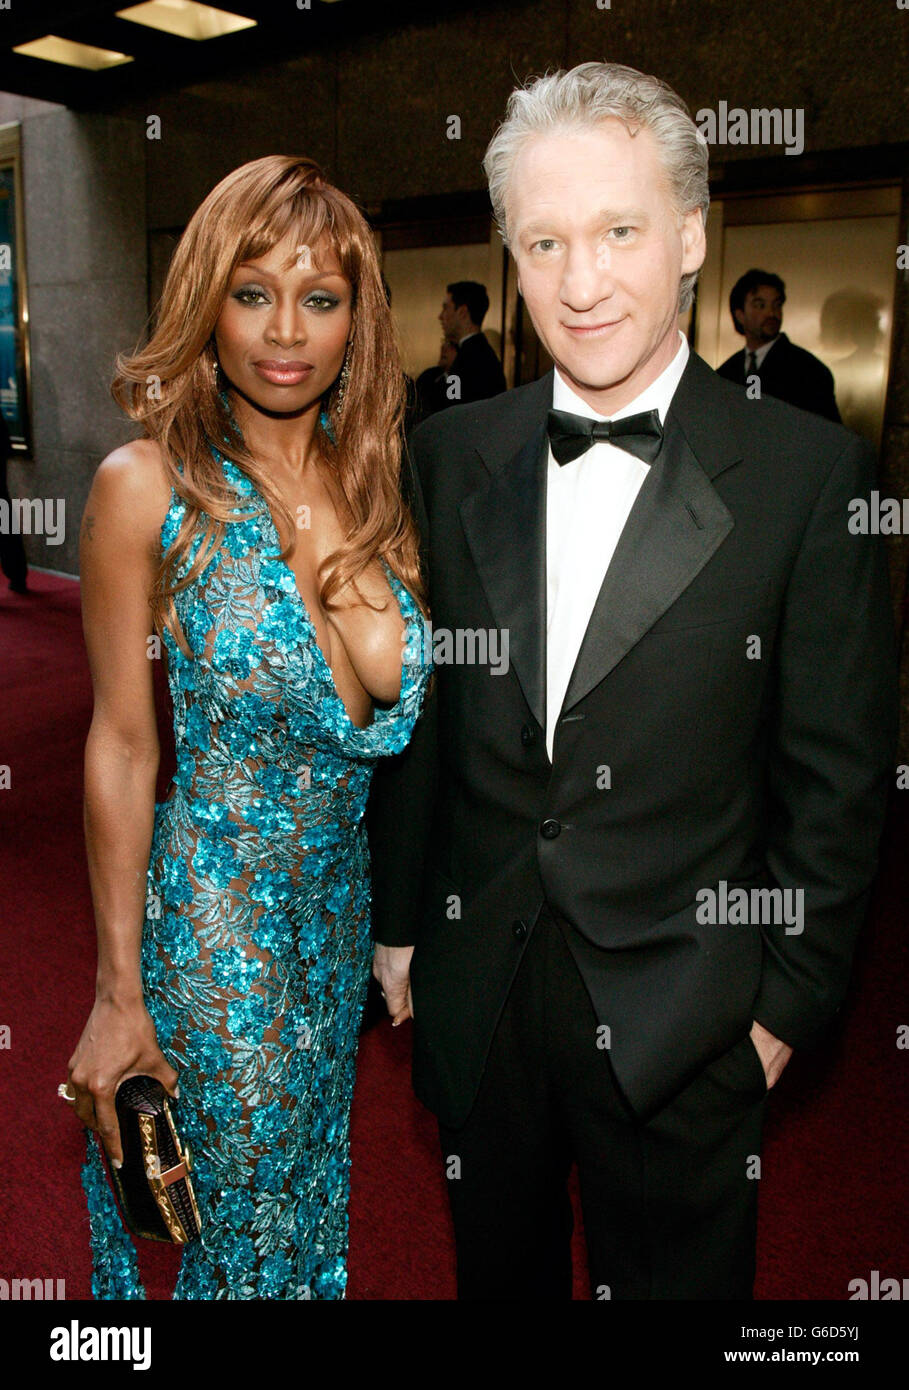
column 694, row 241
column 739, row 317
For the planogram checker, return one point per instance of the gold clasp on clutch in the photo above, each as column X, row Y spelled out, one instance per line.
column 160, row 1180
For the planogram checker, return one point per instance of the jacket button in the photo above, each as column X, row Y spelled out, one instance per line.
column 527, row 735
column 550, row 829
column 519, row 930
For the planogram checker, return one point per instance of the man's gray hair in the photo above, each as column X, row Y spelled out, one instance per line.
column 581, row 99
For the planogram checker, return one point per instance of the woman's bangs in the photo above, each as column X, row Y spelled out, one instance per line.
column 306, row 219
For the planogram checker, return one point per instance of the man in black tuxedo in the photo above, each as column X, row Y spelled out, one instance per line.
column 783, row 370
column 634, row 834
column 476, row 372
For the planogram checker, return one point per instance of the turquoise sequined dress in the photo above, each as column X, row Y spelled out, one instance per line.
column 256, row 947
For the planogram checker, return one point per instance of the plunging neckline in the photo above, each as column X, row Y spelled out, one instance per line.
column 320, row 656
column 308, row 624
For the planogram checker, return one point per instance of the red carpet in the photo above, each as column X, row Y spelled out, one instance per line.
column 833, row 1192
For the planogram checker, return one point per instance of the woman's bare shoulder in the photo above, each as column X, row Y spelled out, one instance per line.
column 132, row 488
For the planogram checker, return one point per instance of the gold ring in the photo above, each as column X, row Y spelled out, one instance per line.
column 63, row 1093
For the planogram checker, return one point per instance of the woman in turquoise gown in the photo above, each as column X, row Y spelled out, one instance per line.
column 255, row 943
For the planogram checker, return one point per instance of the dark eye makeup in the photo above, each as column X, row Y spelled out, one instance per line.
column 251, row 294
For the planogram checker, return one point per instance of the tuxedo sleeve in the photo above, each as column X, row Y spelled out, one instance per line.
column 831, row 756
column 402, row 796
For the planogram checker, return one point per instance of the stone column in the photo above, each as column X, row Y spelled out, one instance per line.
column 85, row 244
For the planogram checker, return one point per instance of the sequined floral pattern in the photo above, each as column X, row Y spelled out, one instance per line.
column 256, row 945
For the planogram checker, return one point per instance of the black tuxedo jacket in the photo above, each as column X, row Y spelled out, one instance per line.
column 478, row 369
column 766, row 769
column 791, row 374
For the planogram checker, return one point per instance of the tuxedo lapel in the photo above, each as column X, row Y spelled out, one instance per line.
column 504, row 522
column 677, row 522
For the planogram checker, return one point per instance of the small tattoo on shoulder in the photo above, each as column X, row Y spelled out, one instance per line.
column 88, row 523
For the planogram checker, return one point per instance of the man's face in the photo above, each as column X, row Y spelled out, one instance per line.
column 450, row 318
column 600, row 251
column 762, row 316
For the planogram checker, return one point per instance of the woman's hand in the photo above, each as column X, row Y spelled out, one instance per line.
column 118, row 1041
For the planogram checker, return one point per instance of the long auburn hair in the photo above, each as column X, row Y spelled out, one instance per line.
column 171, row 387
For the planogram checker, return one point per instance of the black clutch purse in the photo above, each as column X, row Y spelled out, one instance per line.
column 153, row 1188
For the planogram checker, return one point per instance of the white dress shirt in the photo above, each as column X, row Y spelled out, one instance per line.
column 588, row 502
column 760, row 353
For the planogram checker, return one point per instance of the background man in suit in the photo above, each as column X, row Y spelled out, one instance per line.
column 788, row 372
column 699, row 704
column 12, row 550
column 476, row 367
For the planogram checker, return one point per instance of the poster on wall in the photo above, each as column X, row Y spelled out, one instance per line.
column 13, row 310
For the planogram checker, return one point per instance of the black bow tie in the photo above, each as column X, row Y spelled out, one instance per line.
column 572, row 435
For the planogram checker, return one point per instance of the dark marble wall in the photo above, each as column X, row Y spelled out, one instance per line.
column 374, row 111
column 84, row 185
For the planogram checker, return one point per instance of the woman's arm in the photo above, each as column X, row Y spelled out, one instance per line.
column 119, row 546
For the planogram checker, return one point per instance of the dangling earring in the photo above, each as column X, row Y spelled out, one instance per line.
column 343, row 380
column 327, row 426
column 219, row 381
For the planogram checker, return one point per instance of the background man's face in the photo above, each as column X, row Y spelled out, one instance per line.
column 600, row 251
column 450, row 318
column 762, row 316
